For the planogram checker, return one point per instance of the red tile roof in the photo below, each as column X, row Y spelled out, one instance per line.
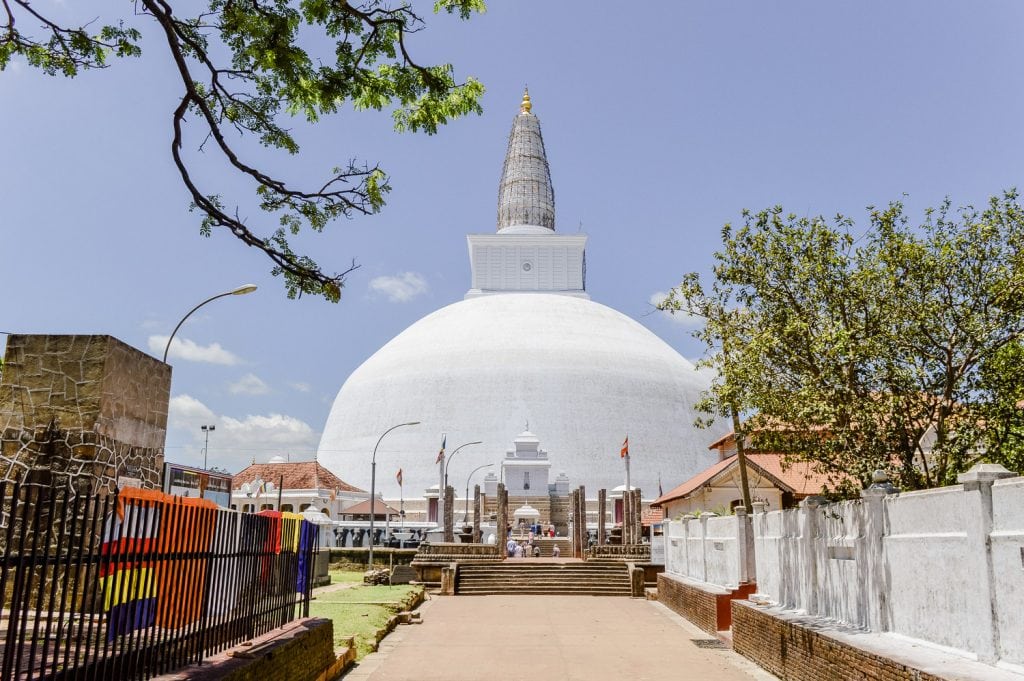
column 363, row 508
column 797, row 478
column 297, row 475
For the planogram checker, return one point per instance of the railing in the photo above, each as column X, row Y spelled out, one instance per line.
column 139, row 584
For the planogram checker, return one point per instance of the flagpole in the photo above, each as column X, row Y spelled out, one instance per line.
column 440, row 483
column 626, row 446
column 628, row 488
column 401, row 499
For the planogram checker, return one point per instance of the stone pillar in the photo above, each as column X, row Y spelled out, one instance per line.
column 584, row 536
column 502, row 520
column 449, row 513
column 449, row 574
column 977, row 484
column 602, row 509
column 87, row 413
column 573, row 524
column 627, row 518
column 476, row 514
column 577, row 522
column 637, row 527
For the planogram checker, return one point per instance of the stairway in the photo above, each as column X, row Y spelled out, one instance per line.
column 536, row 576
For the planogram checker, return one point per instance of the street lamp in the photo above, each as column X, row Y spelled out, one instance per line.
column 466, row 513
column 206, row 447
column 373, row 482
column 449, row 461
column 240, row 291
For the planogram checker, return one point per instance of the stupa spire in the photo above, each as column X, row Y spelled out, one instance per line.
column 525, row 194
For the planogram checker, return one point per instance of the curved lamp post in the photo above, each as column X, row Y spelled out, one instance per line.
column 373, row 483
column 466, row 512
column 452, row 456
column 240, row 291
column 444, row 485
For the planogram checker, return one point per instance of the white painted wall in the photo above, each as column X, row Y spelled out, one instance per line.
column 1008, row 566
column 944, row 566
column 708, row 549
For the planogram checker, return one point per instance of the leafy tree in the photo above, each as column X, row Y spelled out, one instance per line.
column 846, row 350
column 247, row 66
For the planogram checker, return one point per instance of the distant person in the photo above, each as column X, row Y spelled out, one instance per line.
column 518, row 550
column 555, row 551
column 536, row 551
column 551, row 531
column 510, row 547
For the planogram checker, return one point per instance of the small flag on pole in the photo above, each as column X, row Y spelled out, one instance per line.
column 398, row 477
column 625, row 448
column 660, row 493
column 440, row 454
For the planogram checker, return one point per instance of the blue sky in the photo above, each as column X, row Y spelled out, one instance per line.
column 662, row 122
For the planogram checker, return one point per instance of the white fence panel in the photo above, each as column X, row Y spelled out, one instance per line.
column 1008, row 566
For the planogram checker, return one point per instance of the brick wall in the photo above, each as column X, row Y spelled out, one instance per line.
column 794, row 652
column 300, row 651
column 697, row 605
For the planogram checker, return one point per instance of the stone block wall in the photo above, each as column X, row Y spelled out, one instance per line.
column 82, row 411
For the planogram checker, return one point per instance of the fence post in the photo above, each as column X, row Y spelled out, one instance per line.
column 872, row 554
column 808, row 597
column 686, row 543
column 977, row 484
column 704, row 543
column 745, row 546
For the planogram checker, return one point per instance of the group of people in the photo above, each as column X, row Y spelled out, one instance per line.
column 521, row 549
column 530, row 547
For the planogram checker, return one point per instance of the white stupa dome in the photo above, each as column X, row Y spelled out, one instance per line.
column 581, row 374
column 526, row 350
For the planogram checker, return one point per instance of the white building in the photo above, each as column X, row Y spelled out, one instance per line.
column 281, row 485
column 527, row 345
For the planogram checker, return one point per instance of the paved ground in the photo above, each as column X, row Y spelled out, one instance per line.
column 561, row 638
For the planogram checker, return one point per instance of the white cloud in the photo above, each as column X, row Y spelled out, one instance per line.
column 235, row 441
column 186, row 411
column 190, row 351
column 300, row 386
column 250, row 384
column 401, row 288
column 681, row 318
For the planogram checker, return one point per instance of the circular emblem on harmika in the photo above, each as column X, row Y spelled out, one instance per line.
column 527, row 266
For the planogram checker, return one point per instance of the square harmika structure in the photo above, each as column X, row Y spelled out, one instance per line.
column 82, row 412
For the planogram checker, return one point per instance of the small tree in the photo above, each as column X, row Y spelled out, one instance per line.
column 245, row 67
column 852, row 347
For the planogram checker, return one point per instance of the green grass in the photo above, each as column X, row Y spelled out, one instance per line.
column 361, row 611
column 345, row 576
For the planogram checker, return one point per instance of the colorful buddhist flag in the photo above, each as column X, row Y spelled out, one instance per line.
column 625, row 448
column 398, row 477
column 440, row 454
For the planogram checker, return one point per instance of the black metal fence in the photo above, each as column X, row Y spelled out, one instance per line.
column 139, row 584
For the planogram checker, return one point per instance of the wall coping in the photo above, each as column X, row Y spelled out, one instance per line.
column 696, row 584
column 921, row 655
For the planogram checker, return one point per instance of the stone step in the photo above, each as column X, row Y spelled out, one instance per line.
column 525, row 577
column 542, row 592
column 504, row 567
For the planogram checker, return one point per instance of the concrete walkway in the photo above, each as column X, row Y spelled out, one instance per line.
column 561, row 638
